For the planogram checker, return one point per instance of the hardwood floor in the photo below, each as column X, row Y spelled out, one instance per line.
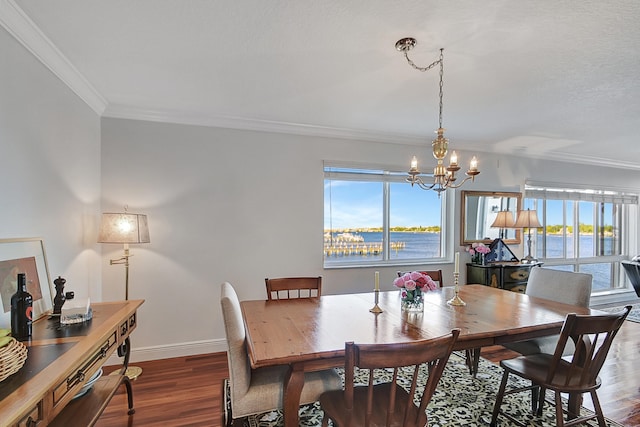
column 187, row 391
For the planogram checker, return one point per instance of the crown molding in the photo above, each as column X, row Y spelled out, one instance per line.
column 23, row 29
column 241, row 123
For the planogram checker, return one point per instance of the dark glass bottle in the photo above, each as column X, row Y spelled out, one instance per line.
column 21, row 310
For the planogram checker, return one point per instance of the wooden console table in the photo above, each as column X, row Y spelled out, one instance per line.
column 512, row 276
column 60, row 360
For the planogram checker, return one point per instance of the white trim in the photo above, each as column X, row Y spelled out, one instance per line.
column 241, row 123
column 170, row 351
column 23, row 29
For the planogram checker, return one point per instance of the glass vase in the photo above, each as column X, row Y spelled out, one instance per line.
column 478, row 258
column 412, row 301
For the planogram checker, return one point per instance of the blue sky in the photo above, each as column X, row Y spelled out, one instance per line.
column 359, row 204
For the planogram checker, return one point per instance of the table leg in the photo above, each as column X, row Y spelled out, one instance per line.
column 574, row 405
column 293, row 384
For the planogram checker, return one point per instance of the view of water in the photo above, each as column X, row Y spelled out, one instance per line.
column 427, row 245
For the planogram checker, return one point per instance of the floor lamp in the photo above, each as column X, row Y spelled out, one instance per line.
column 124, row 228
column 528, row 219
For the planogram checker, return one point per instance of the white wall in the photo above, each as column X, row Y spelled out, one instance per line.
column 50, row 174
column 239, row 206
column 222, row 204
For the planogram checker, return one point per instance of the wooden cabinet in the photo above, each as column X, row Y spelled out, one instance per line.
column 506, row 275
column 60, row 361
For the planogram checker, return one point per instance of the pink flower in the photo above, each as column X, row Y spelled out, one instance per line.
column 483, row 249
column 415, row 280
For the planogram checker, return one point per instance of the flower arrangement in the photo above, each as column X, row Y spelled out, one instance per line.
column 477, row 252
column 412, row 285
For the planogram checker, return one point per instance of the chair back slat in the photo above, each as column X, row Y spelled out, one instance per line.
column 430, row 355
column 293, row 287
column 592, row 336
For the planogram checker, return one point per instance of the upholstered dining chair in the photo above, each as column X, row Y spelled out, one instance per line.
column 383, row 402
column 293, row 287
column 592, row 336
column 556, row 285
column 258, row 390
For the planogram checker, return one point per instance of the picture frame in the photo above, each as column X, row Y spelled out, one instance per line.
column 24, row 255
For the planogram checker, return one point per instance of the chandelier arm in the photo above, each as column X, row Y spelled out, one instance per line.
column 451, row 185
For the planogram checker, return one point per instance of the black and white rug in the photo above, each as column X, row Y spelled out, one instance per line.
column 460, row 400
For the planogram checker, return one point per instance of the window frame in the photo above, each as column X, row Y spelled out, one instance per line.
column 624, row 201
column 386, row 176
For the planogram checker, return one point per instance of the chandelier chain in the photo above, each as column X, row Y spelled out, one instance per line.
column 444, row 177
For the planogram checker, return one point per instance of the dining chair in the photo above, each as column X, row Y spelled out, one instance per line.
column 436, row 275
column 556, row 285
column 293, row 287
column 576, row 375
column 260, row 390
column 382, row 401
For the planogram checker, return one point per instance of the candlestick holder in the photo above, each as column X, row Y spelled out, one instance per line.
column 376, row 308
column 456, row 300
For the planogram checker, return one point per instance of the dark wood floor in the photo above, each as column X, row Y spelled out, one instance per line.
column 187, row 391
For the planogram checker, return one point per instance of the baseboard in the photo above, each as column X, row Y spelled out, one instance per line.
column 172, row 350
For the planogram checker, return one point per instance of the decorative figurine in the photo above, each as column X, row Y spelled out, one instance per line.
column 60, row 297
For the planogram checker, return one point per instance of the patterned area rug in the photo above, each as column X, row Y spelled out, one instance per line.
column 460, row 400
column 634, row 314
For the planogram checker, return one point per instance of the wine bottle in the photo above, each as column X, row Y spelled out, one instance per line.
column 21, row 310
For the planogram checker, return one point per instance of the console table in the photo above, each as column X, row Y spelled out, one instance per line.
column 61, row 358
column 512, row 276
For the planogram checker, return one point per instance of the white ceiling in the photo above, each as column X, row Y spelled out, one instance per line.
column 542, row 78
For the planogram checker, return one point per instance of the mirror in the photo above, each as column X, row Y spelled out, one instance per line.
column 479, row 210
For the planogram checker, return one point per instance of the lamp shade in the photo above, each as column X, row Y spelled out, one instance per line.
column 504, row 219
column 123, row 228
column 527, row 219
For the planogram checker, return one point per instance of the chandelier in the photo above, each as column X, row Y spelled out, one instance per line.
column 443, row 177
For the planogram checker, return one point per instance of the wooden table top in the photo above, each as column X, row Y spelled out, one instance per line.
column 310, row 329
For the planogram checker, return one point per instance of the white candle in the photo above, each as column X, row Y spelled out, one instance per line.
column 456, row 268
column 377, row 276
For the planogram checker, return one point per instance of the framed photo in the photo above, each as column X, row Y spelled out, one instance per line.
column 27, row 256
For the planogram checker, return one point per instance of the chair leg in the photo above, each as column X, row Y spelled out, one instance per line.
column 496, row 407
column 559, row 412
column 473, row 360
column 598, row 409
column 541, row 397
column 535, row 398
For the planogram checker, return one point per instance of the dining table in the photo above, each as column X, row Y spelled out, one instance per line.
column 309, row 334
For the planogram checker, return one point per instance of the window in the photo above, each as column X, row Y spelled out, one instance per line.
column 583, row 230
column 374, row 217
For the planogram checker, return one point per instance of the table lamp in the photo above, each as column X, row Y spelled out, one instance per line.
column 528, row 219
column 124, row 228
column 503, row 220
